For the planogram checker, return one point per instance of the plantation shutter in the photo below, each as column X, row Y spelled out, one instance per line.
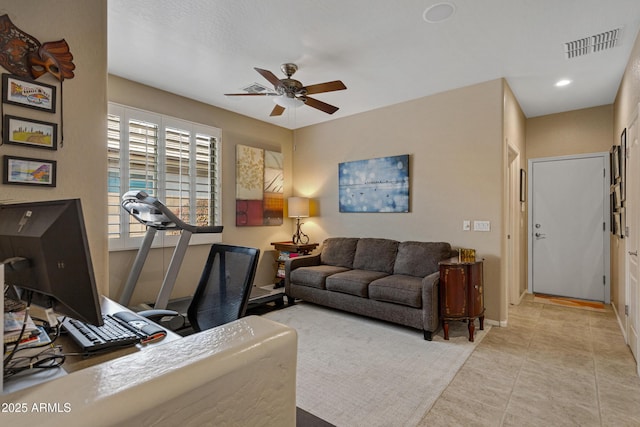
column 113, row 177
column 143, row 164
column 171, row 159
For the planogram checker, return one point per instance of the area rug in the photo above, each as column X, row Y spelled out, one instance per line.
column 354, row 371
column 569, row 302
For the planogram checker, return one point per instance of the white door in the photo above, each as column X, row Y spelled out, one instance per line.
column 568, row 237
column 633, row 222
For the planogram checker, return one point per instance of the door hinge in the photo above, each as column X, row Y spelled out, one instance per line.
column 604, row 280
column 626, row 310
column 604, row 227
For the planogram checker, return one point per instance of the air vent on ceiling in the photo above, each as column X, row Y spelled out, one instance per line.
column 592, row 44
column 257, row 88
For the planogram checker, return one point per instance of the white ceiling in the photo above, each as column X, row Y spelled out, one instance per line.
column 383, row 50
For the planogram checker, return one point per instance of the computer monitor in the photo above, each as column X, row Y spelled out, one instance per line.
column 51, row 236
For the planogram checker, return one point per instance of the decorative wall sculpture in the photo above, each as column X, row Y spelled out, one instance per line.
column 27, row 59
column 23, row 55
column 259, row 187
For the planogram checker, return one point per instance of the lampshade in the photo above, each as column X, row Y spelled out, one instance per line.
column 298, row 207
column 288, row 102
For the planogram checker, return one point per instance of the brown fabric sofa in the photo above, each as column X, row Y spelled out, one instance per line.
column 380, row 278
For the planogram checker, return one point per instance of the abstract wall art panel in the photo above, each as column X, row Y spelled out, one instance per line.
column 259, row 187
column 249, row 173
column 374, row 185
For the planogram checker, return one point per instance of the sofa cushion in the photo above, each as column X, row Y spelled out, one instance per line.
column 339, row 251
column 420, row 258
column 354, row 282
column 398, row 289
column 314, row 276
column 375, row 255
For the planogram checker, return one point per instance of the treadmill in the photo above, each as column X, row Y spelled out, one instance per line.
column 156, row 216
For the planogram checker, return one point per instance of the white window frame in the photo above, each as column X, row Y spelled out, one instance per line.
column 162, row 238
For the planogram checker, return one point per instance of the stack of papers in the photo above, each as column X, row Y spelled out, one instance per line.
column 31, row 346
column 13, row 325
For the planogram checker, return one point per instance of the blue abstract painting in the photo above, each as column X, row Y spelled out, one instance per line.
column 374, row 185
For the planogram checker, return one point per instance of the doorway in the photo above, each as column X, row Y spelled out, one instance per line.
column 569, row 226
column 514, row 287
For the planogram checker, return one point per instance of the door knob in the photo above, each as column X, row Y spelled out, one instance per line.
column 634, row 253
column 540, row 235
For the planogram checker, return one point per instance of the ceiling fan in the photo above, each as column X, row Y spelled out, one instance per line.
column 291, row 93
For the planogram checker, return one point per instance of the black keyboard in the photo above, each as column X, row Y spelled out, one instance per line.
column 120, row 329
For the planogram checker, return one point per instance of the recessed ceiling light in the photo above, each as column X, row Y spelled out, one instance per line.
column 563, row 82
column 439, row 12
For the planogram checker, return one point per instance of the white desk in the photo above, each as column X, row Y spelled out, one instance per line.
column 242, row 373
column 74, row 363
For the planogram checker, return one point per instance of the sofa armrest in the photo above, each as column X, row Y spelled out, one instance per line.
column 301, row 261
column 430, row 302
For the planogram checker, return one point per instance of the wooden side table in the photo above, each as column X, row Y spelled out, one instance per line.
column 285, row 250
column 461, row 293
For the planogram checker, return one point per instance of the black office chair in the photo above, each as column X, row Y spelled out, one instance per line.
column 223, row 292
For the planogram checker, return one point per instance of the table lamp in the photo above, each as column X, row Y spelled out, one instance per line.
column 298, row 207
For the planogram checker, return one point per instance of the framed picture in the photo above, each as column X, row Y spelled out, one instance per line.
column 374, row 185
column 615, row 163
column 259, row 187
column 27, row 171
column 616, row 197
column 27, row 93
column 612, row 213
column 34, row 133
column 617, row 218
column 623, row 163
column 523, row 185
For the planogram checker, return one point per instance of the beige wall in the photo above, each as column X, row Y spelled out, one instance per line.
column 81, row 160
column 574, row 132
column 625, row 107
column 455, row 144
column 236, row 129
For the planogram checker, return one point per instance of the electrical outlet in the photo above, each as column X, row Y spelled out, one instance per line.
column 481, row 225
column 466, row 225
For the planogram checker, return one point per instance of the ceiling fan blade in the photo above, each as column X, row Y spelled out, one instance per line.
column 275, row 81
column 322, row 106
column 246, row 94
column 277, row 110
column 325, row 87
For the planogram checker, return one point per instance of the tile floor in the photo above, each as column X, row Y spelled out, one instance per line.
column 552, row 366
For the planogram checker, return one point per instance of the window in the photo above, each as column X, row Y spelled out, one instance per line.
column 176, row 161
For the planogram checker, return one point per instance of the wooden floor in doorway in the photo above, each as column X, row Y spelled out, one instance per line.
column 569, row 302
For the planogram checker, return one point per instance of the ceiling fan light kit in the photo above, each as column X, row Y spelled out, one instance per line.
column 291, row 93
column 288, row 101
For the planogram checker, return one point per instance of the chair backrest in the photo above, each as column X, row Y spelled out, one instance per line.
column 223, row 291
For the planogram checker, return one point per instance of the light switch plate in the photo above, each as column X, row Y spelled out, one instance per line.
column 466, row 225
column 481, row 225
